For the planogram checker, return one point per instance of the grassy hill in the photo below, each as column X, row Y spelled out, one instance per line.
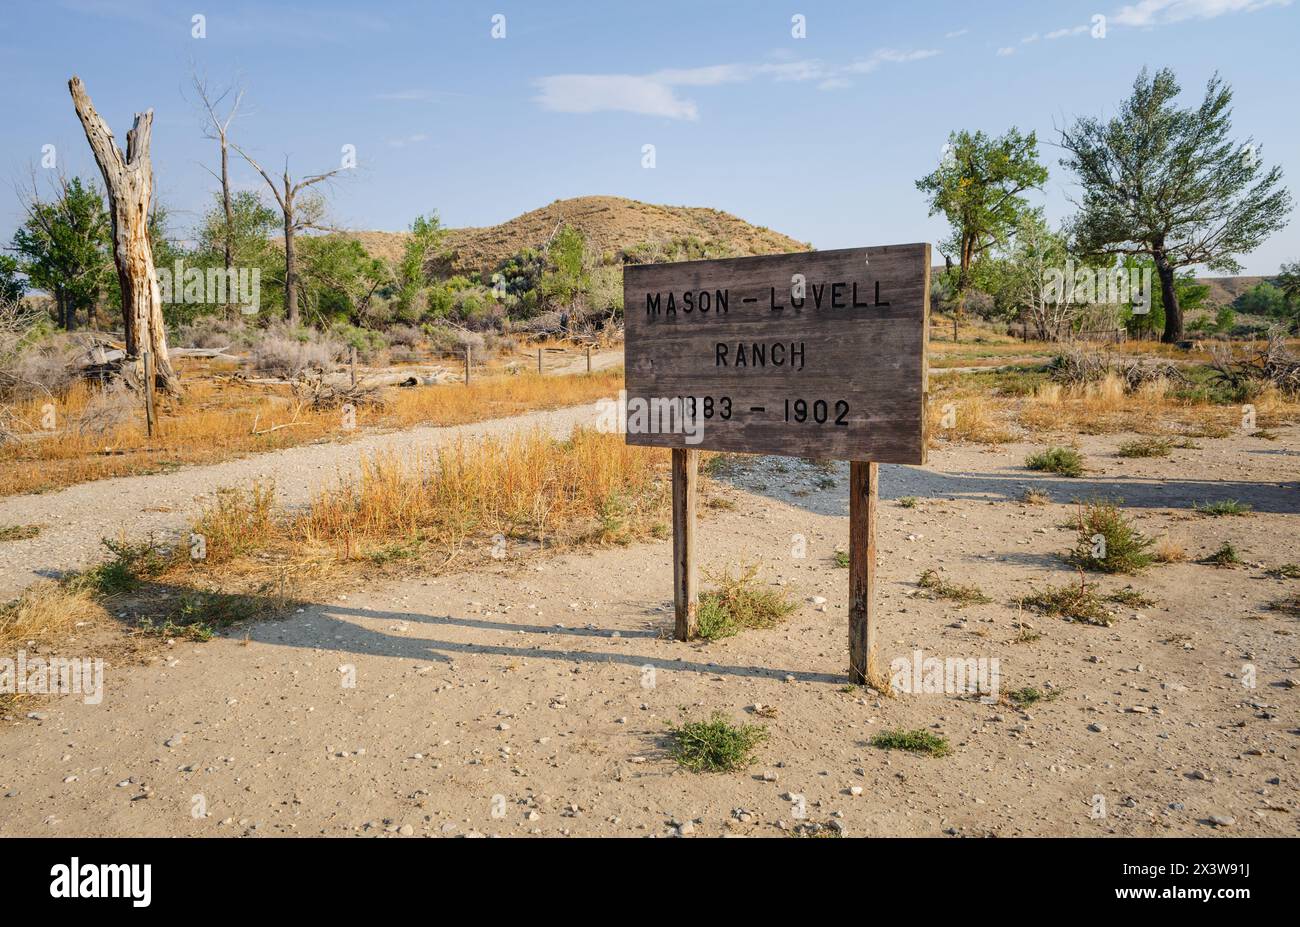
column 615, row 224
column 610, row 224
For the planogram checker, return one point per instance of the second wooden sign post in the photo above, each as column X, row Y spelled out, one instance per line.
column 815, row 354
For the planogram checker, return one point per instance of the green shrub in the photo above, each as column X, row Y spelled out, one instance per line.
column 1147, row 447
column 715, row 745
column 129, row 565
column 1063, row 460
column 738, row 603
column 1108, row 542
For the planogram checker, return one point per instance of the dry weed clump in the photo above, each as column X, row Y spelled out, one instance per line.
column 1168, row 549
column 45, row 611
column 967, row 416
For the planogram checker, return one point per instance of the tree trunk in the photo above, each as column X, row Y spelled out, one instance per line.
column 129, row 182
column 230, row 218
column 1169, row 299
column 290, row 259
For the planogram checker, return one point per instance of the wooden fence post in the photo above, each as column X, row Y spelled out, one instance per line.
column 149, row 421
column 467, row 365
column 352, row 362
column 686, row 465
column 863, row 498
column 588, row 358
column 539, row 361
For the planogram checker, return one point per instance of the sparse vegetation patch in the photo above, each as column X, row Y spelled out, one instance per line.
column 1065, row 461
column 715, row 745
column 914, row 741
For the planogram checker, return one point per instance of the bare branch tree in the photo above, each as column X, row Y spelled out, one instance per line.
column 294, row 222
column 218, row 129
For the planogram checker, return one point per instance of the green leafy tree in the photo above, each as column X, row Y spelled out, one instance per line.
column 1028, row 283
column 1263, row 299
column 425, row 241
column 978, row 186
column 517, row 282
column 339, row 278
column 1169, row 183
column 12, row 286
column 1288, row 281
column 64, row 247
column 568, row 278
column 249, row 239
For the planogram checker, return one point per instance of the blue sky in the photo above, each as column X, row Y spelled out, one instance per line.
column 819, row 137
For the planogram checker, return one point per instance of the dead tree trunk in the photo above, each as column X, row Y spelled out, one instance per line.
column 293, row 223
column 219, row 131
column 129, row 182
column 290, row 255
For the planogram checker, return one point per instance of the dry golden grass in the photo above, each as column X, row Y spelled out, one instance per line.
column 1168, row 549
column 531, row 487
column 45, row 612
column 1105, row 407
column 222, row 418
column 1019, row 404
column 966, row 416
column 492, row 498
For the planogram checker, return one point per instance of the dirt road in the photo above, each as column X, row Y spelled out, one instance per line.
column 534, row 697
column 75, row 519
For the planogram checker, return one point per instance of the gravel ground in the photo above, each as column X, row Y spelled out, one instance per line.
column 534, row 696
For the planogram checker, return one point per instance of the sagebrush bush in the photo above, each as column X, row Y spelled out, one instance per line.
column 1108, row 542
column 290, row 353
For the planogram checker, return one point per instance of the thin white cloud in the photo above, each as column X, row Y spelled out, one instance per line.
column 1029, row 39
column 1004, row 52
column 403, row 95
column 657, row 94
column 955, row 34
column 407, row 140
column 889, row 56
column 1151, row 13
column 629, row 93
column 1162, row 12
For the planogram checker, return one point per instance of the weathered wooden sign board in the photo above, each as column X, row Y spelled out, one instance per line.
column 815, row 354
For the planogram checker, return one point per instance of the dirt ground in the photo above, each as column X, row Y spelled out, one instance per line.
column 533, row 697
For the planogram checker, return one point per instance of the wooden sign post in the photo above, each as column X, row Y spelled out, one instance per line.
column 815, row 354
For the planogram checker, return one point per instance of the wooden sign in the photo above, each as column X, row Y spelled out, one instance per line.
column 815, row 354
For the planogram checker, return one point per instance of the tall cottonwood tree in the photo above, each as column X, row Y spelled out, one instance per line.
column 129, row 181
column 978, row 186
column 1169, row 182
column 295, row 221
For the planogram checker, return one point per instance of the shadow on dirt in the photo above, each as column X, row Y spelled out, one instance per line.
column 1008, row 485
